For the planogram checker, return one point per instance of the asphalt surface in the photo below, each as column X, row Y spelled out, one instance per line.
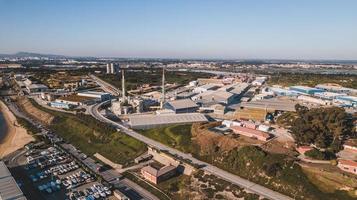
column 258, row 189
column 106, row 86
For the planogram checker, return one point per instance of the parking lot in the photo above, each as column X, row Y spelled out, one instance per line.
column 57, row 175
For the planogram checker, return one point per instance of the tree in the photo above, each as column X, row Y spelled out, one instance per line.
column 324, row 127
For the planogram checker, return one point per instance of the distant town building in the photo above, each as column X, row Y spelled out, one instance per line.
column 10, row 66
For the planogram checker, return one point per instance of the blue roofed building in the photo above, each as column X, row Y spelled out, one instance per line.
column 305, row 90
column 347, row 100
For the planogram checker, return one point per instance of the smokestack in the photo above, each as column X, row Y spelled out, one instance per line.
column 163, row 89
column 108, row 68
column 123, row 85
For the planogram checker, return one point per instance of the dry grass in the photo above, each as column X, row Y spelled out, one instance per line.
column 329, row 181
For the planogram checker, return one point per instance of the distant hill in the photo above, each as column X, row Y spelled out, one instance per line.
column 30, row 54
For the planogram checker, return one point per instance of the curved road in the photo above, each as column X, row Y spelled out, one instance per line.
column 258, row 189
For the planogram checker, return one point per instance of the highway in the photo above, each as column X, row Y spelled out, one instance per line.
column 106, row 86
column 258, row 189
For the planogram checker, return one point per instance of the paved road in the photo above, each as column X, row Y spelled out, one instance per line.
column 263, row 191
column 106, row 86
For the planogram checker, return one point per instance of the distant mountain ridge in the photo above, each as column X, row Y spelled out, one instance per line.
column 22, row 54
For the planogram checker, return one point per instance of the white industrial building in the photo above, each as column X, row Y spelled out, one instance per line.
column 103, row 96
column 205, row 88
column 335, row 88
column 36, row 88
column 151, row 121
column 259, row 81
column 329, row 95
column 314, row 100
column 214, row 96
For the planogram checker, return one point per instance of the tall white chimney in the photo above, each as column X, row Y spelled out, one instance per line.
column 123, row 85
column 163, row 89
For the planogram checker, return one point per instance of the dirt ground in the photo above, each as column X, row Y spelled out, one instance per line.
column 15, row 137
column 33, row 111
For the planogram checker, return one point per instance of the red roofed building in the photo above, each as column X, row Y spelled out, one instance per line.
column 260, row 135
column 249, row 124
column 350, row 145
column 348, row 166
column 156, row 175
column 303, row 149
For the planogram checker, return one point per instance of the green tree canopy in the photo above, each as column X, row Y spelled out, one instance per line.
column 324, row 127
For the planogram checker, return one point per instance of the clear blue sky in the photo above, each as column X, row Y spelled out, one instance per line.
column 286, row 29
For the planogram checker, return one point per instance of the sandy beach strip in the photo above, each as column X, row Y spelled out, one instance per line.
column 12, row 136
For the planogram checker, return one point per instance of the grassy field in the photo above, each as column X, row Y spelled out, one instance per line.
column 312, row 80
column 330, row 181
column 92, row 136
column 275, row 171
column 175, row 136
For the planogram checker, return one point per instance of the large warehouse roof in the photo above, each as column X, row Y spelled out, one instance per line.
column 148, row 121
column 182, row 104
column 270, row 104
column 8, row 186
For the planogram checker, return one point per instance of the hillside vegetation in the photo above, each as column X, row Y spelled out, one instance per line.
column 288, row 79
column 176, row 136
column 92, row 136
column 276, row 171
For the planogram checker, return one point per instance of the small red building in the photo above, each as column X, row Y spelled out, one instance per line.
column 260, row 135
column 156, row 175
column 303, row 149
column 350, row 145
column 348, row 166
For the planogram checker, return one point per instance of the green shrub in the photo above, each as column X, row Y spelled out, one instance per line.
column 320, row 155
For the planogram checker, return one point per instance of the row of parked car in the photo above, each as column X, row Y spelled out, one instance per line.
column 63, row 168
column 77, row 179
column 96, row 191
column 50, row 187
